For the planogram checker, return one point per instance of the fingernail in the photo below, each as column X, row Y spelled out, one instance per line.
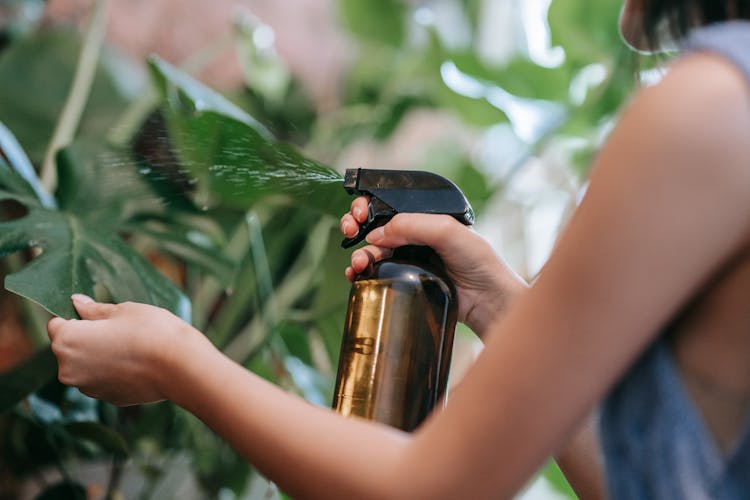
column 80, row 298
column 375, row 235
column 357, row 212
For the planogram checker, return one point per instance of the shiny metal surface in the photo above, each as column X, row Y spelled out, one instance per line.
column 397, row 345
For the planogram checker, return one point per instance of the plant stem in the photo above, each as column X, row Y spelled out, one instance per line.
column 79, row 92
column 115, row 474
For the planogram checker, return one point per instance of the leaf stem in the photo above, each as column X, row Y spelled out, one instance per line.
column 79, row 92
column 115, row 475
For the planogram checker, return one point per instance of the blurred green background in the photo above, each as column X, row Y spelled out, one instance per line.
column 204, row 179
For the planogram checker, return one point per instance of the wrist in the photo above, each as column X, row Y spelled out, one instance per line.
column 171, row 368
column 490, row 307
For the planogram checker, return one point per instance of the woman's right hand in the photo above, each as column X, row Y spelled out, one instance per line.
column 485, row 284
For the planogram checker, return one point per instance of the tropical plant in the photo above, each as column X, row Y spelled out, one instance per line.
column 212, row 206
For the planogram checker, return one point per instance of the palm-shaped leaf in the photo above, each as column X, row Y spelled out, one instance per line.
column 75, row 257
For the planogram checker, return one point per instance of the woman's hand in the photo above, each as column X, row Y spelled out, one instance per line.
column 120, row 353
column 485, row 284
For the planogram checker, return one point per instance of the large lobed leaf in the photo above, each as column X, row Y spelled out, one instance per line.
column 77, row 250
column 75, row 257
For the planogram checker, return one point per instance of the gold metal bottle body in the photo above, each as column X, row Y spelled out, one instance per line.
column 398, row 340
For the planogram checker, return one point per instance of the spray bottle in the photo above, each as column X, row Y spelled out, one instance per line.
column 398, row 335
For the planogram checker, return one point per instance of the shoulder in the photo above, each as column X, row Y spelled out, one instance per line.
column 704, row 87
column 711, row 81
column 695, row 120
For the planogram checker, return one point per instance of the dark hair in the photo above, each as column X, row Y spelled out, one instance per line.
column 679, row 16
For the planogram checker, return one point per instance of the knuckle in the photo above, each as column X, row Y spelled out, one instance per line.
column 400, row 223
column 346, row 221
column 121, row 307
column 65, row 376
column 445, row 223
column 61, row 337
column 55, row 345
column 358, row 255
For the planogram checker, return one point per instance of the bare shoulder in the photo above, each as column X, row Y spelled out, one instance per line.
column 703, row 97
column 694, row 124
column 707, row 83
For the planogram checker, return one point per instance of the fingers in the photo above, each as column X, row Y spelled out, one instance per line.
column 89, row 309
column 365, row 257
column 53, row 327
column 350, row 222
column 349, row 226
column 435, row 231
column 359, row 209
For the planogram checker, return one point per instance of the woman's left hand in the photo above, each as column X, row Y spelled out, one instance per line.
column 119, row 352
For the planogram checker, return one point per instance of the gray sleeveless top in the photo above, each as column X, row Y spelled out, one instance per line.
column 654, row 442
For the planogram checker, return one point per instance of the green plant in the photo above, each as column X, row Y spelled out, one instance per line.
column 199, row 186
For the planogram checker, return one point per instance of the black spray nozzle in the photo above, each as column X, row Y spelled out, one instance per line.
column 404, row 191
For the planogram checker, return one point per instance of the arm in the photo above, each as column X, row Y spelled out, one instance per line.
column 656, row 223
column 486, row 287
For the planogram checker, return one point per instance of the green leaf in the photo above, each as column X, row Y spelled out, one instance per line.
column 75, row 257
column 102, row 186
column 380, row 21
column 35, row 77
column 554, row 475
column 187, row 242
column 11, row 181
column 27, row 377
column 17, row 159
column 78, row 252
column 183, row 92
column 102, row 436
column 235, row 159
column 80, row 248
column 284, row 236
column 587, row 30
column 520, row 76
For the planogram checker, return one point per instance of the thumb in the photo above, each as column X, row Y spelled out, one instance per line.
column 89, row 309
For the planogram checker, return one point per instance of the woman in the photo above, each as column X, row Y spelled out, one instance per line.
column 641, row 308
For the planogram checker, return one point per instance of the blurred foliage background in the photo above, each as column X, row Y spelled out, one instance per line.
column 135, row 179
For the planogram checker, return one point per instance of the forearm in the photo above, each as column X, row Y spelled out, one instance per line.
column 309, row 452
